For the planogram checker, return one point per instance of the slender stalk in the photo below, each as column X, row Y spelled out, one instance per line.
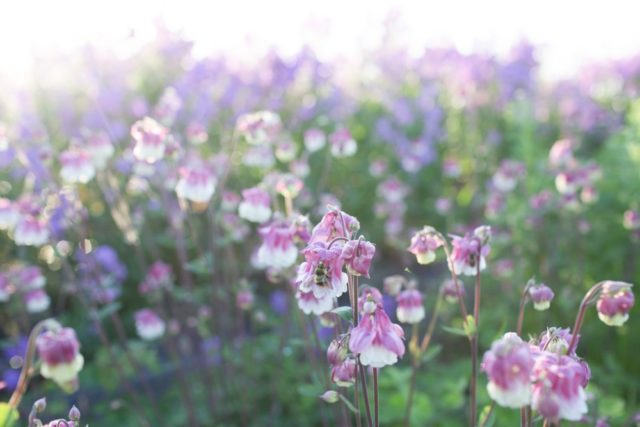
column 485, row 420
column 365, row 392
column 581, row 312
column 375, row 396
column 523, row 303
column 474, row 348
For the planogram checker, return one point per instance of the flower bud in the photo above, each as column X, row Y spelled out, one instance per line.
column 74, row 414
column 330, row 396
column 337, row 352
column 40, row 405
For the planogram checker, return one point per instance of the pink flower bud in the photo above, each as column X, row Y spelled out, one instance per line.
column 244, row 299
column 330, row 396
column 615, row 302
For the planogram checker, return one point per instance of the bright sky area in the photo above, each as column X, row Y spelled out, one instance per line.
column 568, row 32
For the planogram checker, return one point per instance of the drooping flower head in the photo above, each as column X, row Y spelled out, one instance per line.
column 149, row 325
column 410, row 307
column 196, row 184
column 59, row 351
column 334, row 223
column 76, row 166
column 278, row 249
column 149, row 137
column 321, row 272
column 344, row 374
column 342, row 143
column 255, row 205
column 36, row 301
column 615, row 302
column 31, row 231
column 508, row 365
column 558, row 387
column 469, row 252
column 357, row 256
column 314, row 139
column 424, row 244
column 376, row 340
column 541, row 296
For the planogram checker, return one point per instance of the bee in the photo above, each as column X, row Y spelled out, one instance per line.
column 321, row 277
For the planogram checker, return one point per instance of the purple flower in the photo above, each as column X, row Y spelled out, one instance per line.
column 615, row 302
column 469, row 252
column 410, row 307
column 149, row 325
column 541, row 295
column 321, row 272
column 357, row 256
column 424, row 244
column 59, row 351
column 255, row 205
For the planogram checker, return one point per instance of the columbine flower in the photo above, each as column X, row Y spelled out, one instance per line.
column 541, row 295
column 558, row 387
column 36, row 301
column 31, row 278
column 344, row 374
column 9, row 214
column 321, row 272
column 424, row 244
column 149, row 137
column 469, row 252
column 100, row 149
column 451, row 291
column 357, row 256
column 149, row 325
column 376, row 339
column 410, row 308
column 334, row 223
column 310, row 304
column 196, row 184
column 337, row 351
column 394, row 284
column 314, row 139
column 561, row 152
column 59, row 351
column 196, row 133
column 277, row 250
column 507, row 175
column 76, row 166
column 631, row 220
column 614, row 303
column 508, row 365
column 31, row 231
column 244, row 299
column 159, row 276
column 285, row 150
column 342, row 143
column 255, row 205
column 260, row 127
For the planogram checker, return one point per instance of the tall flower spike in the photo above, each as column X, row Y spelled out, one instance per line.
column 424, row 244
column 615, row 302
column 508, row 365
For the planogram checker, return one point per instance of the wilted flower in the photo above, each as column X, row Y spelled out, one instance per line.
column 410, row 308
column 149, row 137
column 424, row 244
column 541, row 296
column 149, row 325
column 31, row 231
column 508, row 365
column 76, row 166
column 277, row 250
column 255, row 205
column 615, row 302
column 196, row 184
column 59, row 351
column 357, row 256
column 558, row 387
column 342, row 143
column 376, row 339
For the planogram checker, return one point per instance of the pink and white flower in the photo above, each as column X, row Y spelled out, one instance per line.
column 508, row 365
column 344, row 374
column 452, row 291
column 149, row 137
column 357, row 256
column 36, row 301
column 342, row 143
column 31, row 231
column 631, row 219
column 59, row 351
column 541, row 296
column 424, row 244
column 76, row 166
column 376, row 340
column 9, row 214
column 558, row 387
column 410, row 308
column 149, row 325
column 159, row 276
column 321, row 272
column 260, row 127
column 244, row 299
column 310, row 304
column 468, row 255
column 278, row 249
column 615, row 302
column 31, row 278
column 196, row 133
column 333, row 224
column 506, row 177
column 196, row 184
column 255, row 205
column 100, row 149
column 314, row 140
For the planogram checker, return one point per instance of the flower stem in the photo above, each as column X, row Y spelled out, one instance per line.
column 588, row 297
column 523, row 303
column 474, row 347
column 365, row 392
column 375, row 396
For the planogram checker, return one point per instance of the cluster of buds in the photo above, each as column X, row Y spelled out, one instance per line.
column 41, row 404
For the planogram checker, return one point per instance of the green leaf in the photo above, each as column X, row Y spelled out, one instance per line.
column 455, row 331
column 8, row 415
column 345, row 312
column 202, row 266
column 431, row 353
